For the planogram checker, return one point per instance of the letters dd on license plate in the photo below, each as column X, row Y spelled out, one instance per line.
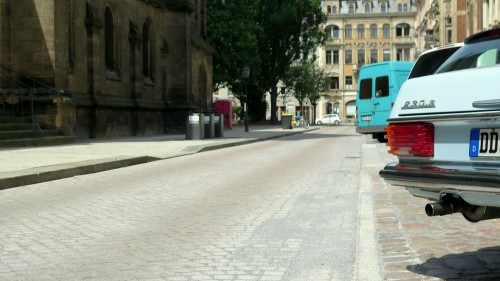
column 484, row 143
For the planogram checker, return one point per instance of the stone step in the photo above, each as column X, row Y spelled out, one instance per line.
column 15, row 126
column 25, row 134
column 30, row 142
column 14, row 119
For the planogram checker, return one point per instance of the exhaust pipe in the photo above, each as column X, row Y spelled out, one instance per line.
column 481, row 213
column 471, row 213
column 439, row 209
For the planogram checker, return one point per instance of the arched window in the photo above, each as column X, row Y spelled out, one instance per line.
column 368, row 8
column 402, row 30
column 361, row 31
column 361, row 56
column 350, row 109
column 329, row 10
column 373, row 31
column 332, row 31
column 386, row 30
column 348, row 31
column 400, row 7
column 351, row 8
column 383, row 7
column 334, row 9
column 335, row 31
column 147, row 51
column 405, row 7
column 109, row 41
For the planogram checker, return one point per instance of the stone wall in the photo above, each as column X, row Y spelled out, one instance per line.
column 62, row 44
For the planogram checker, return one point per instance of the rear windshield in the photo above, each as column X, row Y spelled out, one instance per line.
column 365, row 91
column 382, row 86
column 480, row 54
column 428, row 63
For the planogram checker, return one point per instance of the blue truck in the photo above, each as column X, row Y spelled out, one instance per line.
column 378, row 86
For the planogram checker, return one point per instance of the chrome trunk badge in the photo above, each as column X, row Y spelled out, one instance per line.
column 419, row 104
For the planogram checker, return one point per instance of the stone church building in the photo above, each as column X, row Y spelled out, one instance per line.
column 106, row 68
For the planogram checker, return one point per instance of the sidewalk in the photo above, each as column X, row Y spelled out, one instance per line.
column 23, row 166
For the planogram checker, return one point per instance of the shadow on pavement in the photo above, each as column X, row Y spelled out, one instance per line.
column 483, row 264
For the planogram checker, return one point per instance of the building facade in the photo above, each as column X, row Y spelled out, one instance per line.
column 362, row 32
column 441, row 22
column 104, row 68
column 490, row 14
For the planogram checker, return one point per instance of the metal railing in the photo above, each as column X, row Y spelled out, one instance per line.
column 16, row 84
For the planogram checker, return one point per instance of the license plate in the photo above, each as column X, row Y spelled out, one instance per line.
column 366, row 118
column 484, row 143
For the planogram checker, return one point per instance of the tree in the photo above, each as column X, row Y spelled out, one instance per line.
column 233, row 30
column 307, row 81
column 290, row 32
column 266, row 35
column 321, row 85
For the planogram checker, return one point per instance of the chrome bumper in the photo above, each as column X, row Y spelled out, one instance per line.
column 476, row 185
column 435, row 175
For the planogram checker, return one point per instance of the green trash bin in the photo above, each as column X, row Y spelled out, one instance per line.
column 286, row 121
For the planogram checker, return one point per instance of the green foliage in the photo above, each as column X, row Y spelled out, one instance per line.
column 233, row 35
column 307, row 81
column 268, row 36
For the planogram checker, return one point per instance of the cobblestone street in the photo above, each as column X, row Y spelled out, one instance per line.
column 414, row 246
column 304, row 207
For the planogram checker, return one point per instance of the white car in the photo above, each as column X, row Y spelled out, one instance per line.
column 444, row 129
column 328, row 119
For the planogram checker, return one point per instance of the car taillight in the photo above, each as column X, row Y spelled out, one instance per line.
column 415, row 139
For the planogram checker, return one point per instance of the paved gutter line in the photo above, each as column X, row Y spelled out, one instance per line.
column 368, row 265
column 68, row 170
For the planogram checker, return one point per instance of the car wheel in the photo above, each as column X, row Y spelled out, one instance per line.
column 319, row 123
column 336, row 122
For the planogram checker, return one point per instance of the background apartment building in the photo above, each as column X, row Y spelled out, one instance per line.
column 441, row 22
column 362, row 32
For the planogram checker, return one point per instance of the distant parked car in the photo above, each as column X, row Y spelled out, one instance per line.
column 444, row 129
column 328, row 119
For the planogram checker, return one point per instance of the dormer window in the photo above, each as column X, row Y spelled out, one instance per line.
column 383, row 7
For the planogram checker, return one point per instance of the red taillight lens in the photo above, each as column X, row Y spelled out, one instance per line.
column 415, row 139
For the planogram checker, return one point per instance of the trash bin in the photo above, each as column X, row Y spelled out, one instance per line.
column 209, row 126
column 194, row 128
column 219, row 125
column 286, row 121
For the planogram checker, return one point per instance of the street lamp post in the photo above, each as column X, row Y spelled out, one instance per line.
column 245, row 72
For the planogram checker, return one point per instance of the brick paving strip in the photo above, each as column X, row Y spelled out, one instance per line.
column 414, row 246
